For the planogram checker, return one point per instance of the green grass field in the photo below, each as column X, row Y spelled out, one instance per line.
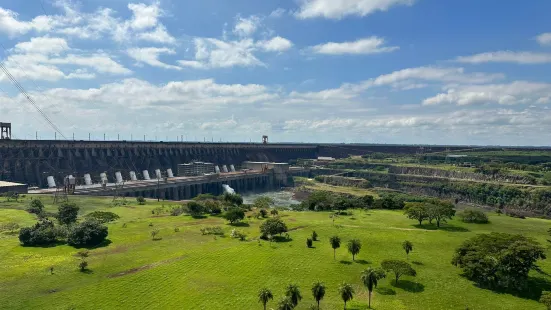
column 186, row 270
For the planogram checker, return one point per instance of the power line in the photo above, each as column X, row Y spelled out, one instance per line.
column 28, row 97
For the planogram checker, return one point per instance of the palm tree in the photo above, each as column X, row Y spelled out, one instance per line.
column 370, row 277
column 347, row 292
column 335, row 244
column 293, row 293
column 354, row 247
column 318, row 291
column 264, row 295
column 408, row 247
column 285, row 303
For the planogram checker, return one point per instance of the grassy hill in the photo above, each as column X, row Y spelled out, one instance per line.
column 188, row 270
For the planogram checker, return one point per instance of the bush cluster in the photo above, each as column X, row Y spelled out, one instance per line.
column 472, row 215
column 42, row 233
column 102, row 216
column 212, row 230
column 87, row 233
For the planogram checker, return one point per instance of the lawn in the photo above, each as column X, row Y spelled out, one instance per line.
column 186, row 270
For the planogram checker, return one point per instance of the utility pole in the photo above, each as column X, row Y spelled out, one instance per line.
column 103, row 137
column 55, row 135
column 89, row 137
column 118, row 137
column 73, row 136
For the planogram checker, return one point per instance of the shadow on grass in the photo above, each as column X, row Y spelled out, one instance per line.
column 409, row 286
column 535, row 286
column 282, row 239
column 240, row 224
column 385, row 291
column 87, row 271
column 362, row 261
column 449, row 228
column 104, row 243
column 418, row 263
column 345, row 262
column 49, row 245
column 198, row 217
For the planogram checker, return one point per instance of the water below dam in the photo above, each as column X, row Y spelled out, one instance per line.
column 281, row 198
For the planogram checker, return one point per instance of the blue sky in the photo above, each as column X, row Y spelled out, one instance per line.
column 369, row 71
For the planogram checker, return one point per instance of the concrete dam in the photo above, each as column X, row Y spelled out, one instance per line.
column 32, row 161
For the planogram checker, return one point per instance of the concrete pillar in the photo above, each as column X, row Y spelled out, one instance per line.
column 175, row 194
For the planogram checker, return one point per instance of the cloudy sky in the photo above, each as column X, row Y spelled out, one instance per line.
column 370, row 71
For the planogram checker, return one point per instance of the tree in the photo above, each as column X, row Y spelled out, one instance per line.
column 335, row 244
column 417, row 211
column 498, row 260
column 347, row 292
column 391, row 202
column 36, row 206
column 67, row 213
column 367, row 201
column 370, row 277
column 318, row 291
column 293, row 293
column 233, row 199
column 399, row 268
column 274, row 212
column 285, row 303
column 87, row 233
column 408, row 247
column 309, row 242
column 264, row 295
column 195, row 209
column 354, row 247
column 441, row 212
column 546, row 299
column 273, row 226
column 213, row 207
column 140, row 200
column 234, row 215
column 83, row 263
column 314, row 235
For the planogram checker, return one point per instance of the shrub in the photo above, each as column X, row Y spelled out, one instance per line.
column 42, row 233
column 516, row 214
column 238, row 234
column 140, row 200
column 176, row 229
column 274, row 212
column 546, row 299
column 36, row 206
column 263, row 212
column 87, row 233
column 154, row 233
column 498, row 260
column 472, row 215
column 314, row 236
column 309, row 242
column 176, row 211
column 205, row 197
column 67, row 213
column 102, row 216
column 195, row 209
column 272, row 226
column 234, row 215
column 212, row 230
column 213, row 207
column 233, row 199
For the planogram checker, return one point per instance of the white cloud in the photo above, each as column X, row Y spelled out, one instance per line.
column 192, row 64
column 507, row 56
column 159, row 35
column 371, row 45
column 245, row 27
column 81, row 74
column 150, row 56
column 544, row 38
column 100, row 62
column 10, row 25
column 144, row 16
column 276, row 44
column 518, row 92
column 42, row 45
column 337, row 9
column 435, row 74
column 277, row 13
column 214, row 53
